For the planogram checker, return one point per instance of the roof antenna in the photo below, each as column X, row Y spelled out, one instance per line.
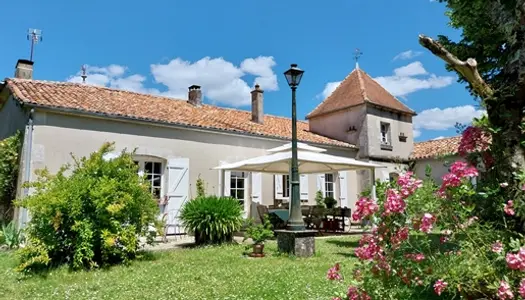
column 35, row 35
column 357, row 55
column 84, row 74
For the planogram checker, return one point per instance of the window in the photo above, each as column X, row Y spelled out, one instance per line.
column 286, row 186
column 329, row 184
column 385, row 133
column 152, row 171
column 393, row 176
column 237, row 186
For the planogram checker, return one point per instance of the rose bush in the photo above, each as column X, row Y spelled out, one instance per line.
column 456, row 240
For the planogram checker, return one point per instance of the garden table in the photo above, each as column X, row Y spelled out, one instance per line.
column 283, row 214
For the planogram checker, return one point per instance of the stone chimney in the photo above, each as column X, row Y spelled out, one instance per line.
column 195, row 95
column 24, row 69
column 257, row 105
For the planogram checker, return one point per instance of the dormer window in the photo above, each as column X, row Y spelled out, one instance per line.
column 386, row 143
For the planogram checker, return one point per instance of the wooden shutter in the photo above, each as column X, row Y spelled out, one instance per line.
column 320, row 184
column 256, row 187
column 278, row 179
column 343, row 188
column 178, row 171
column 303, row 183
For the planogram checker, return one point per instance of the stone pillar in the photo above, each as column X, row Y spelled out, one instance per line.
column 298, row 243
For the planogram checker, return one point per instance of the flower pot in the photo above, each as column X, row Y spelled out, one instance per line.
column 258, row 250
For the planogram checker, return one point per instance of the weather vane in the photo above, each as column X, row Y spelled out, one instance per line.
column 357, row 55
column 84, row 74
column 35, row 35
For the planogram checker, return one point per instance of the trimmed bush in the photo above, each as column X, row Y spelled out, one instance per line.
column 212, row 219
column 92, row 218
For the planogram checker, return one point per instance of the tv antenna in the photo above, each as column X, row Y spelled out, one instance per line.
column 84, row 74
column 35, row 35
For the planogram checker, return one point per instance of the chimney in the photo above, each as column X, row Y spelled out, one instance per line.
column 257, row 105
column 24, row 69
column 195, row 95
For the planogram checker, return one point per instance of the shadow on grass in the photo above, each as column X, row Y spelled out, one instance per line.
column 346, row 244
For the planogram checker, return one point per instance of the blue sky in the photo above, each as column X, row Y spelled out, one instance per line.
column 164, row 46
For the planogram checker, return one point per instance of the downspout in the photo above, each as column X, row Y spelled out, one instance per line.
column 27, row 159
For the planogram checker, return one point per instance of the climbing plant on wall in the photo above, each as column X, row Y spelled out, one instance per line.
column 9, row 162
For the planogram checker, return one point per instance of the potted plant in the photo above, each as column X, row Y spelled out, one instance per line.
column 259, row 234
column 330, row 202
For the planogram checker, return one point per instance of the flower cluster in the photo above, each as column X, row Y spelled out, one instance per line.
column 509, row 208
column 497, row 247
column 439, row 286
column 399, row 236
column 473, row 139
column 504, row 291
column 417, row 257
column 355, row 294
column 368, row 248
column 427, row 222
column 364, row 207
column 458, row 171
column 408, row 184
column 516, row 261
column 333, row 273
column 394, row 202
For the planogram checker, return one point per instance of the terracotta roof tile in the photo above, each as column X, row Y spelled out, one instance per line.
column 358, row 88
column 435, row 148
column 110, row 102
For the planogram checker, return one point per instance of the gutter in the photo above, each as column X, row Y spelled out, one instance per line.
column 27, row 157
column 171, row 125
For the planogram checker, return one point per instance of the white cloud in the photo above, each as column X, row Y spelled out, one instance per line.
column 409, row 54
column 438, row 138
column 412, row 69
column 221, row 81
column 417, row 133
column 406, row 80
column 443, row 119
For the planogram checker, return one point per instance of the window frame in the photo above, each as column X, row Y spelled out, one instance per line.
column 235, row 189
column 327, row 183
column 141, row 163
column 385, row 135
column 286, row 186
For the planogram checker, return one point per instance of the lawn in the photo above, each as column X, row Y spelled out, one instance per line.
column 201, row 273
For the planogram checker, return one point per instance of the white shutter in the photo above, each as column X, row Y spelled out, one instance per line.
column 385, row 176
column 303, row 183
column 256, row 187
column 320, row 183
column 224, row 189
column 278, row 186
column 343, row 188
column 178, row 187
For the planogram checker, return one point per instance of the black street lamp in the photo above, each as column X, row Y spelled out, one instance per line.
column 295, row 221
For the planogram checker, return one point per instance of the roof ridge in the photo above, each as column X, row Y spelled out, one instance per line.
column 374, row 81
column 135, row 93
column 437, row 140
column 333, row 92
column 362, row 85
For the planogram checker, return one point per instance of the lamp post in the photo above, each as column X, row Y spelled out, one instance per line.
column 295, row 221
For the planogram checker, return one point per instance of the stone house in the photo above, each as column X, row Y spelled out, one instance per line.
column 178, row 141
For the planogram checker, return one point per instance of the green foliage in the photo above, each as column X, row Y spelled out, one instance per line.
column 9, row 161
column 259, row 233
column 212, row 219
column 330, row 202
column 319, row 199
column 90, row 218
column 201, row 191
column 10, row 235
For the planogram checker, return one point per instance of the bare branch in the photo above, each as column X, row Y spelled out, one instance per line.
column 469, row 68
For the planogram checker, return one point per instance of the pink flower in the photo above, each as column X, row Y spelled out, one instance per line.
column 523, row 187
column 509, row 208
column 440, row 286
column 462, row 169
column 394, row 202
column 353, row 293
column 473, row 139
column 497, row 247
column 427, row 222
column 400, row 236
column 504, row 291
column 417, row 257
column 368, row 249
column 522, row 288
column 504, row 184
column 516, row 261
column 333, row 273
column 408, row 184
column 365, row 207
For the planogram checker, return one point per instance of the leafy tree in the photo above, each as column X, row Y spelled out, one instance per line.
column 201, row 191
column 490, row 59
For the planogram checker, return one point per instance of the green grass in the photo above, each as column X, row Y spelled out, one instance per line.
column 202, row 273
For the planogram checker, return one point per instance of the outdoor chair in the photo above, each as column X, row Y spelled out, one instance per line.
column 172, row 221
column 262, row 211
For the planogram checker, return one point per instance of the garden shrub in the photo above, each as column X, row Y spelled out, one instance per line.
column 10, row 149
column 212, row 219
column 428, row 242
column 10, row 235
column 90, row 218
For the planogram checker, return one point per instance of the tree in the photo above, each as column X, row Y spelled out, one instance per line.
column 490, row 58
